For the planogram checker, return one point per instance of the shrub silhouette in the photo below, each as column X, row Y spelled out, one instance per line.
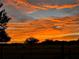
column 47, row 42
column 31, row 40
column 3, row 25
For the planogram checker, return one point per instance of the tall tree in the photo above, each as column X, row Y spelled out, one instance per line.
column 3, row 25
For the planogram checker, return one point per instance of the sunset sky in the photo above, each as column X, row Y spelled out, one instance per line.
column 42, row 19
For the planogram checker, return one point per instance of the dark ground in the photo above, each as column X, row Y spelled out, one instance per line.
column 50, row 51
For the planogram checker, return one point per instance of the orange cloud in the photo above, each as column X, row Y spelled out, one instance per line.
column 23, row 5
column 61, row 6
column 29, row 8
column 43, row 29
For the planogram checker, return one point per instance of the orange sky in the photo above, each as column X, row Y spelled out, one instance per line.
column 43, row 29
column 46, row 26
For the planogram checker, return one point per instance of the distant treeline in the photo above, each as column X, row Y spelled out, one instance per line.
column 35, row 42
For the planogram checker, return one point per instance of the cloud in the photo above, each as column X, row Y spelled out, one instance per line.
column 58, row 4
column 21, row 9
column 46, row 28
column 32, row 6
column 41, row 8
column 61, row 6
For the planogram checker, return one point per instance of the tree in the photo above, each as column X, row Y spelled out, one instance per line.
column 3, row 25
column 31, row 40
column 47, row 42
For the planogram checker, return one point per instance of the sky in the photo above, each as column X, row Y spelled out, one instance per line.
column 41, row 8
column 36, row 17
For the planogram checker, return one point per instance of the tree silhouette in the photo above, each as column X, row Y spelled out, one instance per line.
column 31, row 40
column 3, row 25
column 47, row 42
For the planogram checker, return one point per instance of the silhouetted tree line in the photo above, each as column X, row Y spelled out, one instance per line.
column 50, row 42
column 3, row 25
column 33, row 42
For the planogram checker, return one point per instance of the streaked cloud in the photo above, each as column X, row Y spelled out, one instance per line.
column 33, row 8
column 47, row 18
column 45, row 28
